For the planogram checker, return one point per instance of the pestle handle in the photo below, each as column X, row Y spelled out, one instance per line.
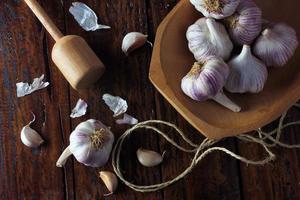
column 44, row 19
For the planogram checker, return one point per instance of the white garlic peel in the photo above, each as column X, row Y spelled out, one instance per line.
column 132, row 41
column 110, row 180
column 245, row 24
column 206, row 80
column 206, row 38
column 90, row 143
column 149, row 158
column 276, row 44
column 30, row 137
column 247, row 73
column 217, row 9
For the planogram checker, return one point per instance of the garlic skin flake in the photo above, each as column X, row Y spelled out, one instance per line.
column 207, row 37
column 86, row 17
column 30, row 137
column 217, row 9
column 110, row 180
column 245, row 24
column 127, row 119
column 80, row 109
column 132, row 41
column 90, row 143
column 149, row 158
column 206, row 80
column 24, row 89
column 276, row 44
column 247, row 73
column 115, row 104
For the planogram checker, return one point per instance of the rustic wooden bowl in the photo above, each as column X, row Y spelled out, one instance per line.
column 172, row 60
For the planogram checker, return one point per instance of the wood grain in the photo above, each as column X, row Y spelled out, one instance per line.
column 25, row 49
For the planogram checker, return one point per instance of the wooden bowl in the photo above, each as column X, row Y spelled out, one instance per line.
column 171, row 60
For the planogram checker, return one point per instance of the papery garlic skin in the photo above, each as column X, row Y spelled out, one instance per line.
column 247, row 73
column 276, row 44
column 206, row 38
column 205, row 80
column 149, row 158
column 90, row 143
column 132, row 41
column 217, row 9
column 245, row 24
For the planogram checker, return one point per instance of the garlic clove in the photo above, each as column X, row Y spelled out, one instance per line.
column 206, row 38
column 110, row 180
column 245, row 24
column 133, row 41
column 30, row 137
column 247, row 73
column 149, row 158
column 276, row 44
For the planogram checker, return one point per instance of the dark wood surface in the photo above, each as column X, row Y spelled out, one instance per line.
column 25, row 53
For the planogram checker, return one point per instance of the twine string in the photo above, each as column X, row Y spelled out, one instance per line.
column 206, row 147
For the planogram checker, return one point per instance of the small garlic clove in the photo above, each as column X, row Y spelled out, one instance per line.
column 133, row 41
column 247, row 73
column 30, row 137
column 217, row 9
column 149, row 158
column 110, row 180
column 276, row 44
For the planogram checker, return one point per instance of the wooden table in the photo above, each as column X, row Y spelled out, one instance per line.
column 31, row 174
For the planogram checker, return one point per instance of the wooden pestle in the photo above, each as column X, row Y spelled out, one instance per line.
column 71, row 54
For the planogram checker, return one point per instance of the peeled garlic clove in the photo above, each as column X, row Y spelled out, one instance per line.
column 276, row 44
column 149, row 158
column 206, row 38
column 133, row 41
column 30, row 137
column 245, row 24
column 110, row 180
column 247, row 73
column 217, row 9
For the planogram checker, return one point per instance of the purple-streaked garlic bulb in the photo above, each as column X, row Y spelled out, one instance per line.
column 247, row 73
column 206, row 38
column 90, row 143
column 205, row 81
column 217, row 9
column 245, row 24
column 276, row 44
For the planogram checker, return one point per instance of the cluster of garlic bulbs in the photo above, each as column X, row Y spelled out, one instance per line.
column 264, row 44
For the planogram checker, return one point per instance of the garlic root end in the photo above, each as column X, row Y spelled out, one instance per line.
column 222, row 99
column 63, row 157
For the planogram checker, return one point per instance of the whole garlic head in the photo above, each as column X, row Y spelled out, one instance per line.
column 276, row 44
column 217, row 9
column 206, row 38
column 245, row 24
column 90, row 143
column 247, row 73
column 206, row 80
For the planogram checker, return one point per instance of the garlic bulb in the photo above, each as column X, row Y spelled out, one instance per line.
column 110, row 180
column 276, row 44
column 247, row 73
column 149, row 158
column 206, row 37
column 90, row 143
column 245, row 25
column 206, row 80
column 217, row 9
column 133, row 41
column 30, row 137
